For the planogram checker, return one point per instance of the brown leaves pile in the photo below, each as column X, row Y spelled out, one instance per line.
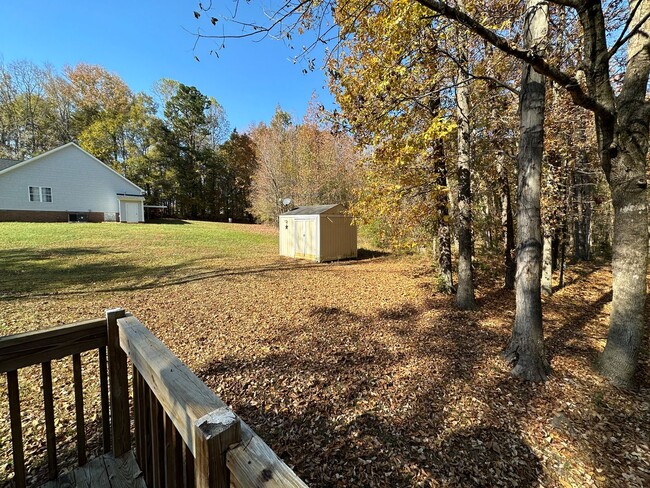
column 360, row 374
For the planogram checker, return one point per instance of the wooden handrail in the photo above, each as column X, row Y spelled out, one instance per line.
column 205, row 423
column 35, row 347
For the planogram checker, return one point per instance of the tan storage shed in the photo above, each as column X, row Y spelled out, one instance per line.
column 318, row 233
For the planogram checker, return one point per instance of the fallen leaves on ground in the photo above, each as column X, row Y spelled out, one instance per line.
column 359, row 374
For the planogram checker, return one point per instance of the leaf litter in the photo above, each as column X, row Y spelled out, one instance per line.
column 359, row 374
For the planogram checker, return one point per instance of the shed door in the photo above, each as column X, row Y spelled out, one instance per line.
column 131, row 211
column 287, row 233
column 306, row 239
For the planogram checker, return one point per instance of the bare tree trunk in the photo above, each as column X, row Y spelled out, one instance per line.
column 547, row 264
column 582, row 198
column 445, row 282
column 562, row 257
column 619, row 360
column 526, row 349
column 465, row 293
column 507, row 224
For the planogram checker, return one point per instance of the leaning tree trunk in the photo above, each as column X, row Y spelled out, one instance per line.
column 526, row 349
column 465, row 292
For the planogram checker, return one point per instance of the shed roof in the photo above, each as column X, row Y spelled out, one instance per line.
column 7, row 163
column 313, row 209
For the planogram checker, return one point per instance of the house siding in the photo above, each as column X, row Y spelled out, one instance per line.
column 79, row 184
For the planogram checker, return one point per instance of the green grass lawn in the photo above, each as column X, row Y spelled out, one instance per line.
column 45, row 259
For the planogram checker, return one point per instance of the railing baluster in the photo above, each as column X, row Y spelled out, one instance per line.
column 160, row 434
column 155, row 441
column 146, row 429
column 16, row 429
column 119, row 385
column 50, row 433
column 103, row 387
column 179, row 446
column 137, row 412
column 188, row 461
column 79, row 409
column 171, row 461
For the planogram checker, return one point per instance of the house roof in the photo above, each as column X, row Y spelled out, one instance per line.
column 18, row 164
column 312, row 209
column 7, row 163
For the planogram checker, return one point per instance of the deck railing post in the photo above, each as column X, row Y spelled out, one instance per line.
column 119, row 385
column 214, row 433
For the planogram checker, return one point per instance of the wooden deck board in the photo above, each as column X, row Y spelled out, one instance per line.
column 104, row 471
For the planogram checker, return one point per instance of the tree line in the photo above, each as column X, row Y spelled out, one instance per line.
column 523, row 125
column 174, row 142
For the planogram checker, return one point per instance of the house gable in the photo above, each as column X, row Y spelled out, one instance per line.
column 76, row 181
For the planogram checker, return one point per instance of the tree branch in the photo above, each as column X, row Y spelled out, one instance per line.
column 623, row 39
column 538, row 63
column 566, row 3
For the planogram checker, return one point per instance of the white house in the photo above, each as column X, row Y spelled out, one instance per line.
column 67, row 184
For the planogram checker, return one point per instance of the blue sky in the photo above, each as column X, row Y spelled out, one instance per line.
column 145, row 40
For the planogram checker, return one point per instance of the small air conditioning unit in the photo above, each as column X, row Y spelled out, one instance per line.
column 78, row 217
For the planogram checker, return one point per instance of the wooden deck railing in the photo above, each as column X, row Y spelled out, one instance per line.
column 31, row 348
column 184, row 435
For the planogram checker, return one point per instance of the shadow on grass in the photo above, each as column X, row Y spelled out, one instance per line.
column 50, row 271
column 337, row 396
column 63, row 271
column 570, row 338
column 169, row 221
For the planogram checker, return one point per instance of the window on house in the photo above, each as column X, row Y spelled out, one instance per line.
column 46, row 194
column 40, row 194
column 34, row 194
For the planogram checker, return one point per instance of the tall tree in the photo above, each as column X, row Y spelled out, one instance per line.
column 395, row 101
column 238, row 153
column 305, row 162
column 526, row 349
column 187, row 119
column 465, row 292
column 622, row 119
column 24, row 112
